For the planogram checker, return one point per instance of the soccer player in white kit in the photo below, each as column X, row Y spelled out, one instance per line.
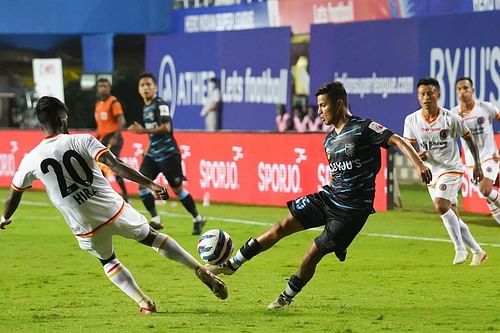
column 479, row 117
column 66, row 165
column 433, row 130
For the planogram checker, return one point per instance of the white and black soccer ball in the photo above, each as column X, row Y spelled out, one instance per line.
column 215, row 246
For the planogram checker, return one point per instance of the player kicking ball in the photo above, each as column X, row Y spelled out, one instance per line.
column 343, row 206
column 66, row 165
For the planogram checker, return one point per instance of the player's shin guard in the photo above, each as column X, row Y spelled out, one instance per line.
column 245, row 253
column 451, row 224
column 170, row 249
column 121, row 277
column 149, row 201
column 468, row 238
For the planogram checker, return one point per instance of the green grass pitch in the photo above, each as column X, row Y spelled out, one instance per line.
column 398, row 277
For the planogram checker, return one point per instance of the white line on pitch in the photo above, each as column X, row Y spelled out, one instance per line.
column 250, row 222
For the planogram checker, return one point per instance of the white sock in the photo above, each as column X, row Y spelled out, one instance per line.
column 170, row 249
column 121, row 277
column 156, row 219
column 468, row 238
column 495, row 211
column 237, row 260
column 451, row 224
column 494, row 198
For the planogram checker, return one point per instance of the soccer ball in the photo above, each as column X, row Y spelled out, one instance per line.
column 215, row 246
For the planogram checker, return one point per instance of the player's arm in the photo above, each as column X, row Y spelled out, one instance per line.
column 164, row 128
column 477, row 172
column 125, row 171
column 407, row 149
column 12, row 201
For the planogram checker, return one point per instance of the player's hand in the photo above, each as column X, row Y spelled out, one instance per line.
column 136, row 128
column 425, row 174
column 477, row 174
column 4, row 222
column 159, row 191
column 423, row 155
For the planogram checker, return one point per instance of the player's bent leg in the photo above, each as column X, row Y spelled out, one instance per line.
column 123, row 279
column 299, row 279
column 257, row 245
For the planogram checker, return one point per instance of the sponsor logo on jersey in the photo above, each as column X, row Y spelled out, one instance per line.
column 376, row 127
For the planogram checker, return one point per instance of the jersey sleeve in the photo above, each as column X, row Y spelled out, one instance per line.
column 24, row 176
column 89, row 147
column 458, row 125
column 408, row 130
column 378, row 134
column 116, row 108
column 164, row 112
column 491, row 109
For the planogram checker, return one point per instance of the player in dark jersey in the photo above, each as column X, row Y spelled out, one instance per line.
column 343, row 206
column 163, row 154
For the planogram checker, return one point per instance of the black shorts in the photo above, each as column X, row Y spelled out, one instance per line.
column 341, row 226
column 170, row 167
column 117, row 148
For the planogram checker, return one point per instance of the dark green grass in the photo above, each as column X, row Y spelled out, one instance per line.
column 387, row 284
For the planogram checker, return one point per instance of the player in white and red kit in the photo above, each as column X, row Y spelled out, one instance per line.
column 434, row 130
column 66, row 165
column 479, row 117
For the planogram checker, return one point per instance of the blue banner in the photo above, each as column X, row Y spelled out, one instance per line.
column 381, row 62
column 251, row 65
column 376, row 61
column 473, row 51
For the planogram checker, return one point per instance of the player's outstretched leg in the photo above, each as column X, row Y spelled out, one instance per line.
column 169, row 248
column 257, row 245
column 495, row 211
column 149, row 203
column 299, row 279
column 123, row 279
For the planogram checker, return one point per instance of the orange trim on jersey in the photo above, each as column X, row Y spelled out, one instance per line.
column 432, row 121
column 99, row 153
column 19, row 189
column 111, row 220
column 469, row 132
column 494, row 158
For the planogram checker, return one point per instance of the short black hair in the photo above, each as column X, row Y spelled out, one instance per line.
column 465, row 78
column 147, row 75
column 103, row 80
column 48, row 110
column 334, row 90
column 429, row 81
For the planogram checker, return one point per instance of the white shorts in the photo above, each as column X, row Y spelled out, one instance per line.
column 130, row 224
column 490, row 170
column 446, row 187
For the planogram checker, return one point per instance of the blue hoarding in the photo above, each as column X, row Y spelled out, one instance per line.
column 376, row 61
column 381, row 62
column 252, row 66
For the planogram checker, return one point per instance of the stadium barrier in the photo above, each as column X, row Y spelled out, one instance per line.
column 234, row 167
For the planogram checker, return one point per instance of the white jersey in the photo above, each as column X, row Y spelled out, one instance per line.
column 66, row 165
column 479, row 121
column 438, row 139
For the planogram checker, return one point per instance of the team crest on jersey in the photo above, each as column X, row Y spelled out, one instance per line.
column 349, row 149
column 480, row 120
column 489, row 169
column 376, row 127
column 442, row 187
column 443, row 133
